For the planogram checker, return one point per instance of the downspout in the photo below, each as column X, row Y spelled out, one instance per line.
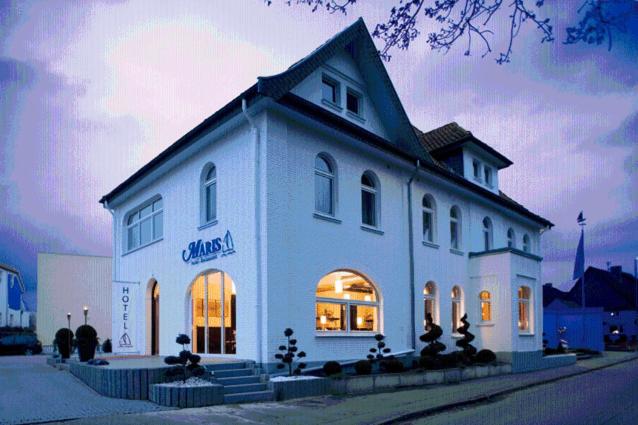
column 411, row 255
column 106, row 207
column 258, row 304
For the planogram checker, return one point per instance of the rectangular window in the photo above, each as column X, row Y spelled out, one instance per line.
column 488, row 176
column 427, row 227
column 363, row 318
column 331, row 317
column 454, row 235
column 368, row 213
column 476, row 166
column 158, row 225
column 330, row 90
column 353, row 102
column 211, row 202
column 323, row 194
column 144, row 225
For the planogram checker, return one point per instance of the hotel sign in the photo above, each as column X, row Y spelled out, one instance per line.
column 125, row 302
column 206, row 250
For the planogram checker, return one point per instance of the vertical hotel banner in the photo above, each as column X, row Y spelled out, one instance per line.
column 126, row 299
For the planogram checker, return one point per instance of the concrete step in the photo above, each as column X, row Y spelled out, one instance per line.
column 239, row 380
column 245, row 388
column 227, row 366
column 228, row 373
column 249, row 397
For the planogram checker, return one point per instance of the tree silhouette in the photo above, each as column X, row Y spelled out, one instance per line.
column 434, row 347
column 473, row 21
column 288, row 353
column 468, row 349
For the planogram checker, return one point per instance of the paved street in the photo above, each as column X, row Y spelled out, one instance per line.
column 32, row 391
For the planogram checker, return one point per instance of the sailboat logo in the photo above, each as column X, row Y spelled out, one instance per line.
column 125, row 340
column 228, row 247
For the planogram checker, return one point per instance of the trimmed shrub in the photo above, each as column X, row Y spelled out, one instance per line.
column 391, row 365
column 63, row 340
column 331, row 368
column 464, row 343
column 363, row 367
column 449, row 360
column 186, row 364
column 430, row 362
column 288, row 353
column 86, row 337
column 485, row 356
column 434, row 347
column 377, row 353
column 107, row 347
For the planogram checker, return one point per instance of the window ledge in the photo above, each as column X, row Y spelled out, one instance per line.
column 356, row 117
column 142, row 246
column 485, row 324
column 457, row 252
column 326, row 217
column 331, row 105
column 457, row 335
column 526, row 334
column 209, row 224
column 320, row 334
column 371, row 229
column 430, row 244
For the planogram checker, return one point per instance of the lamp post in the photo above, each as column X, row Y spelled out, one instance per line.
column 86, row 313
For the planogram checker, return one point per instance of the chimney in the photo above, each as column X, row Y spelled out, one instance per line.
column 616, row 271
column 547, row 285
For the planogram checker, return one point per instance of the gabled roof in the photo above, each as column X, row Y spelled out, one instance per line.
column 604, row 289
column 443, row 140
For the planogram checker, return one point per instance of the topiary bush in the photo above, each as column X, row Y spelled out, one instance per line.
column 431, row 352
column 430, row 362
column 464, row 343
column 485, row 356
column 86, row 338
column 363, row 367
column 391, row 365
column 63, row 340
column 331, row 368
column 377, row 353
column 107, row 347
column 288, row 353
column 449, row 360
column 186, row 364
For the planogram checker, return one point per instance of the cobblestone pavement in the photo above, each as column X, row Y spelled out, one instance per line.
column 32, row 392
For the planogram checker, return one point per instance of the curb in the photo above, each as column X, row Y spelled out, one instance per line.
column 488, row 397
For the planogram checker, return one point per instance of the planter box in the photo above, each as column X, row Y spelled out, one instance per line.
column 174, row 396
column 286, row 390
column 386, row 381
column 452, row 376
column 411, row 379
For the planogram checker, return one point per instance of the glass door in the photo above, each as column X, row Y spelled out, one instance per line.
column 214, row 314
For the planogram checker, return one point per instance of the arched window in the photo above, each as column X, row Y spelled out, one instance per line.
column 523, row 309
column 486, row 306
column 324, row 185
column 369, row 199
column 429, row 219
column 526, row 244
column 429, row 302
column 511, row 238
column 487, row 234
column 455, row 228
column 457, row 299
column 144, row 225
column 214, row 313
column 209, row 194
column 346, row 303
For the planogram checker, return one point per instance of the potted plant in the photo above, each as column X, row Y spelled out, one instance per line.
column 63, row 338
column 86, row 337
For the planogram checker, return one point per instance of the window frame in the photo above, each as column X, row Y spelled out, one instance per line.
column 511, row 238
column 350, row 92
column 488, row 302
column 205, row 183
column 488, row 234
column 476, row 170
column 456, row 220
column 137, row 223
column 375, row 192
column 332, row 177
column 524, row 303
column 456, row 301
column 488, row 176
column 431, row 210
column 432, row 298
column 336, row 90
column 527, row 244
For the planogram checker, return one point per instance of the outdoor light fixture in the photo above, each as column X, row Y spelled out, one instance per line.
column 367, row 298
column 323, row 320
column 86, row 313
column 68, row 320
column 338, row 286
column 346, row 296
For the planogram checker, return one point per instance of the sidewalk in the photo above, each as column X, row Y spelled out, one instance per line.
column 373, row 408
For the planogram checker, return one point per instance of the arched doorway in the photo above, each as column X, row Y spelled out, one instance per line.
column 213, row 310
column 155, row 315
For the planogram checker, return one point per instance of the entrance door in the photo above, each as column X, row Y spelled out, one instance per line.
column 214, row 314
column 155, row 314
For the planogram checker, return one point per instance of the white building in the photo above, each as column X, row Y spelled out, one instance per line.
column 310, row 202
column 13, row 311
column 66, row 284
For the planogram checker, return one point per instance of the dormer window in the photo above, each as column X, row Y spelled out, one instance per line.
column 487, row 172
column 476, row 166
column 330, row 90
column 353, row 102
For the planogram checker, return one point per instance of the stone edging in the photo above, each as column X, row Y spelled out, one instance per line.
column 174, row 396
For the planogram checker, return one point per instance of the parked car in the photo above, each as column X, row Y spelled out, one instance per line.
column 20, row 344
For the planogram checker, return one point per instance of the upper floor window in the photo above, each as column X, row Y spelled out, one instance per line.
column 145, row 225
column 429, row 219
column 511, row 238
column 324, row 185
column 523, row 309
column 487, row 173
column 455, row 228
column 476, row 169
column 486, row 306
column 369, row 195
column 429, row 302
column 457, row 299
column 487, row 234
column 346, row 302
column 209, row 194
column 526, row 244
column 353, row 102
column 330, row 90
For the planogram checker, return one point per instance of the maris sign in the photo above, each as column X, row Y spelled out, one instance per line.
column 206, row 250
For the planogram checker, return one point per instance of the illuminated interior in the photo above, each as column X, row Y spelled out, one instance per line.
column 456, row 309
column 208, row 308
column 429, row 294
column 523, row 308
column 346, row 302
column 486, row 306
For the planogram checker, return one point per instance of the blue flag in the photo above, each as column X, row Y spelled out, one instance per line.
column 579, row 264
column 14, row 293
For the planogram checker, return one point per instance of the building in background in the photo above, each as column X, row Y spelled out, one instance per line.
column 13, row 310
column 67, row 283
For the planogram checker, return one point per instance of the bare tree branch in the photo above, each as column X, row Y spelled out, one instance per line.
column 600, row 18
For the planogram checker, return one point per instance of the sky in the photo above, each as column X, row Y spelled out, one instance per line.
column 91, row 91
